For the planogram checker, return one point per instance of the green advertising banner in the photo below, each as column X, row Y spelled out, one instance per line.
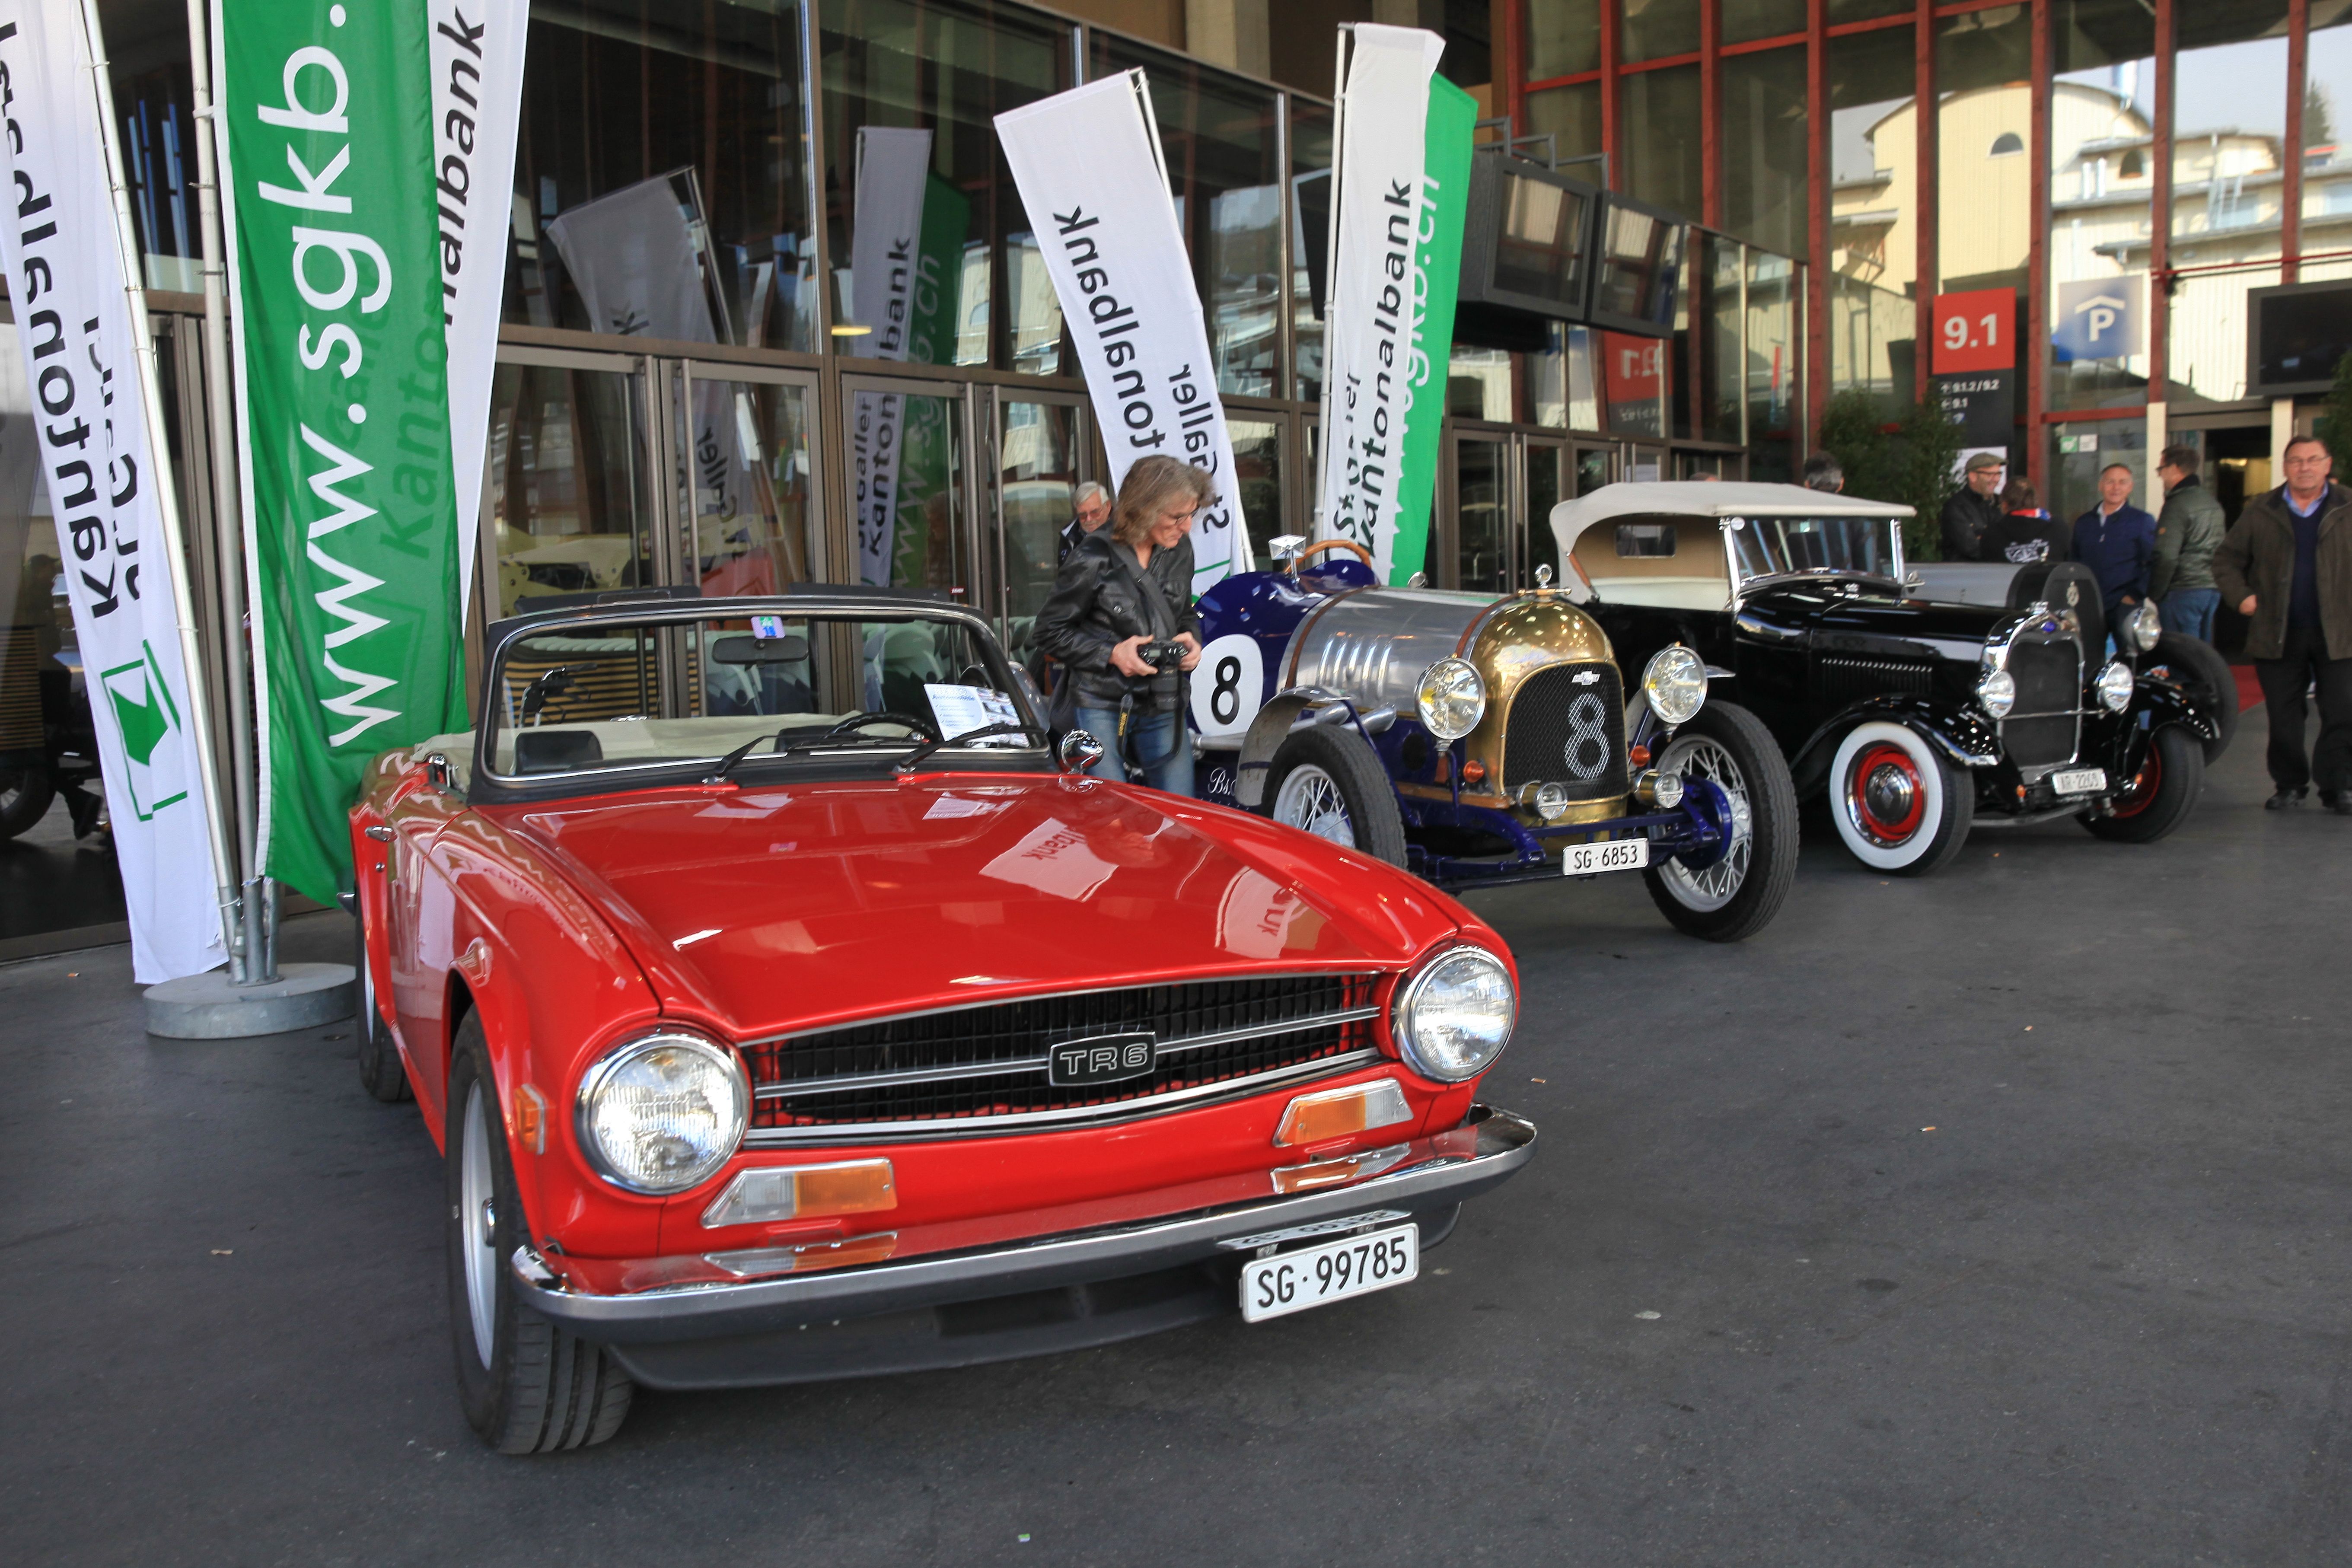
column 926, row 457
column 344, row 421
column 1447, row 132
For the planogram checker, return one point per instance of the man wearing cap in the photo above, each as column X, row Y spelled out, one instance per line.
column 1973, row 508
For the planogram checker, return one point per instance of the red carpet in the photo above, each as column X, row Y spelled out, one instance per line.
column 2249, row 690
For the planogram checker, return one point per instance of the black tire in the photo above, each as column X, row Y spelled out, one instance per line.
column 2157, row 798
column 2195, row 665
column 540, row 1390
column 1363, row 815
column 381, row 1072
column 1738, row 897
column 1914, row 825
column 25, row 797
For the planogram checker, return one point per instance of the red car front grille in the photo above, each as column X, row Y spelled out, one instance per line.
column 991, row 1061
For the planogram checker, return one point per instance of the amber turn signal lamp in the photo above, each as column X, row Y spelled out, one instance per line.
column 1473, row 771
column 1638, row 756
column 530, row 1120
column 1341, row 1113
column 1335, row 1173
column 806, row 1258
column 804, row 1192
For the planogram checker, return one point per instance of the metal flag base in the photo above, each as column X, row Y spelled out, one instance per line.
column 210, row 1006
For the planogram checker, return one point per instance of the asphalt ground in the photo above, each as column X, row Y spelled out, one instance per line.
column 1996, row 1217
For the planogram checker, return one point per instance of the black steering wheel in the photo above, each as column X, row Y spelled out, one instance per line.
column 857, row 722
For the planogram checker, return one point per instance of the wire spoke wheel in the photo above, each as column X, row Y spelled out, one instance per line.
column 1712, row 887
column 1310, row 800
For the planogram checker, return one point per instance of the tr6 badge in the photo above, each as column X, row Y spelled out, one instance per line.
column 1103, row 1059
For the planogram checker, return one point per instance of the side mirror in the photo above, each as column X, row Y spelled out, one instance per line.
column 1079, row 752
column 436, row 770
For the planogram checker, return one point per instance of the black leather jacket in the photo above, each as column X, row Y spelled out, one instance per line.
column 1096, row 604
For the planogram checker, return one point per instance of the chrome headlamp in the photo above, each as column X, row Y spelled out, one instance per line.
column 663, row 1112
column 1675, row 684
column 2115, row 684
column 2142, row 628
column 1997, row 693
column 1454, row 1019
column 1452, row 698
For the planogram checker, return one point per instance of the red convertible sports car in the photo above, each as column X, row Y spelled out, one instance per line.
column 785, row 1010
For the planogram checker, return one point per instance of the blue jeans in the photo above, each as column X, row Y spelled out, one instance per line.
column 1148, row 735
column 2190, row 610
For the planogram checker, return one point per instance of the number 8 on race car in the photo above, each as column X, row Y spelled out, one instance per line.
column 1228, row 687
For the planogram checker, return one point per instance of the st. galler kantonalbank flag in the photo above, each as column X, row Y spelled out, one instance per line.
column 1088, row 165
column 1396, row 267
column 78, row 405
column 336, row 259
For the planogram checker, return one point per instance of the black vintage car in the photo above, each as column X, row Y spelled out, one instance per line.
column 1917, row 717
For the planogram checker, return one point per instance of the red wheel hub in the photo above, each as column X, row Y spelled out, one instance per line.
column 1885, row 795
column 2139, row 791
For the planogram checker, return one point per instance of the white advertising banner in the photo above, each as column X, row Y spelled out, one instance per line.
column 476, row 101
column 82, row 336
column 893, row 167
column 1107, row 228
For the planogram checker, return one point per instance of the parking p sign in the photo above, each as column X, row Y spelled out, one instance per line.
column 2098, row 318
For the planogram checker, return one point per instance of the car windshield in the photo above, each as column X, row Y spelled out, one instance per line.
column 1766, row 545
column 613, row 695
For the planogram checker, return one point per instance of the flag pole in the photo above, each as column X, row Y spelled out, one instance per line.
column 167, row 503
column 229, row 510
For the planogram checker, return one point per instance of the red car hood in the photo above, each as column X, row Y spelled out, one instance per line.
column 775, row 909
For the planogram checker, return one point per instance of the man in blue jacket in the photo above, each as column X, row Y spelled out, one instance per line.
column 2117, row 540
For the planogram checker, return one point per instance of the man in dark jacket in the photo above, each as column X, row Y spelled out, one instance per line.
column 2025, row 532
column 1973, row 508
column 1090, row 510
column 2288, row 565
column 2187, row 531
column 1125, row 586
column 2117, row 540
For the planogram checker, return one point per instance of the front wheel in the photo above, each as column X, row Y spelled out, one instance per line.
column 25, row 797
column 527, row 1386
column 1326, row 781
column 1898, row 805
column 1738, row 894
column 2156, row 799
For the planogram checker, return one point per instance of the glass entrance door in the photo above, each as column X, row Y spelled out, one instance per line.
column 1482, row 513
column 1548, row 476
column 568, row 498
column 905, row 449
column 1043, row 452
column 746, row 493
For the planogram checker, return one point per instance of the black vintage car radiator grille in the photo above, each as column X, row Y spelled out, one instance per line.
column 1847, row 678
column 991, row 1061
column 1567, row 726
column 2042, row 726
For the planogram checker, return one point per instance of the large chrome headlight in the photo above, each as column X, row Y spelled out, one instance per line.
column 1997, row 693
column 1454, row 1019
column 1452, row 698
column 1675, row 684
column 2115, row 685
column 2143, row 627
column 663, row 1112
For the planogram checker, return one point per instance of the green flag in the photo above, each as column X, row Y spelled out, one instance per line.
column 1446, row 135
column 335, row 261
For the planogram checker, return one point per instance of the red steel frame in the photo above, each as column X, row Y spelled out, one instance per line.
column 1923, row 18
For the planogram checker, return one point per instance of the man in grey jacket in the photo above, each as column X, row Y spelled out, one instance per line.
column 2288, row 564
column 2187, row 531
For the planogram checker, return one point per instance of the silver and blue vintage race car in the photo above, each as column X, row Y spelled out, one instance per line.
column 1480, row 740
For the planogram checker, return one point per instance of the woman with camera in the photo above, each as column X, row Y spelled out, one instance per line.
column 1120, row 620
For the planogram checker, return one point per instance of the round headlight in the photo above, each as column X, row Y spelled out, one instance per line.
column 1675, row 684
column 2144, row 627
column 662, row 1113
column 2115, row 685
column 1454, row 1019
column 1452, row 698
column 1997, row 692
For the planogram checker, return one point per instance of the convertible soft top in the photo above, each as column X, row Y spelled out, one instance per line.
column 1703, row 497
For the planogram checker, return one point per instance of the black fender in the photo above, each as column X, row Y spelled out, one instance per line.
column 2165, row 703
column 1964, row 736
column 1273, row 726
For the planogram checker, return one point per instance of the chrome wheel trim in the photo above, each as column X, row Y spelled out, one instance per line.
column 1711, row 887
column 1310, row 800
column 476, row 1224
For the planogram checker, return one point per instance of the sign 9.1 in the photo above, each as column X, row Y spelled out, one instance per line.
column 1973, row 331
column 1958, row 333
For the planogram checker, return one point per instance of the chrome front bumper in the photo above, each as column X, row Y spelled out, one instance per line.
column 1503, row 1142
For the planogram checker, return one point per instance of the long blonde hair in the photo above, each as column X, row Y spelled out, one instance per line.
column 1152, row 488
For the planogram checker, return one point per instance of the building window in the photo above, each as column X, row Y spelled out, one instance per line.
column 2008, row 144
